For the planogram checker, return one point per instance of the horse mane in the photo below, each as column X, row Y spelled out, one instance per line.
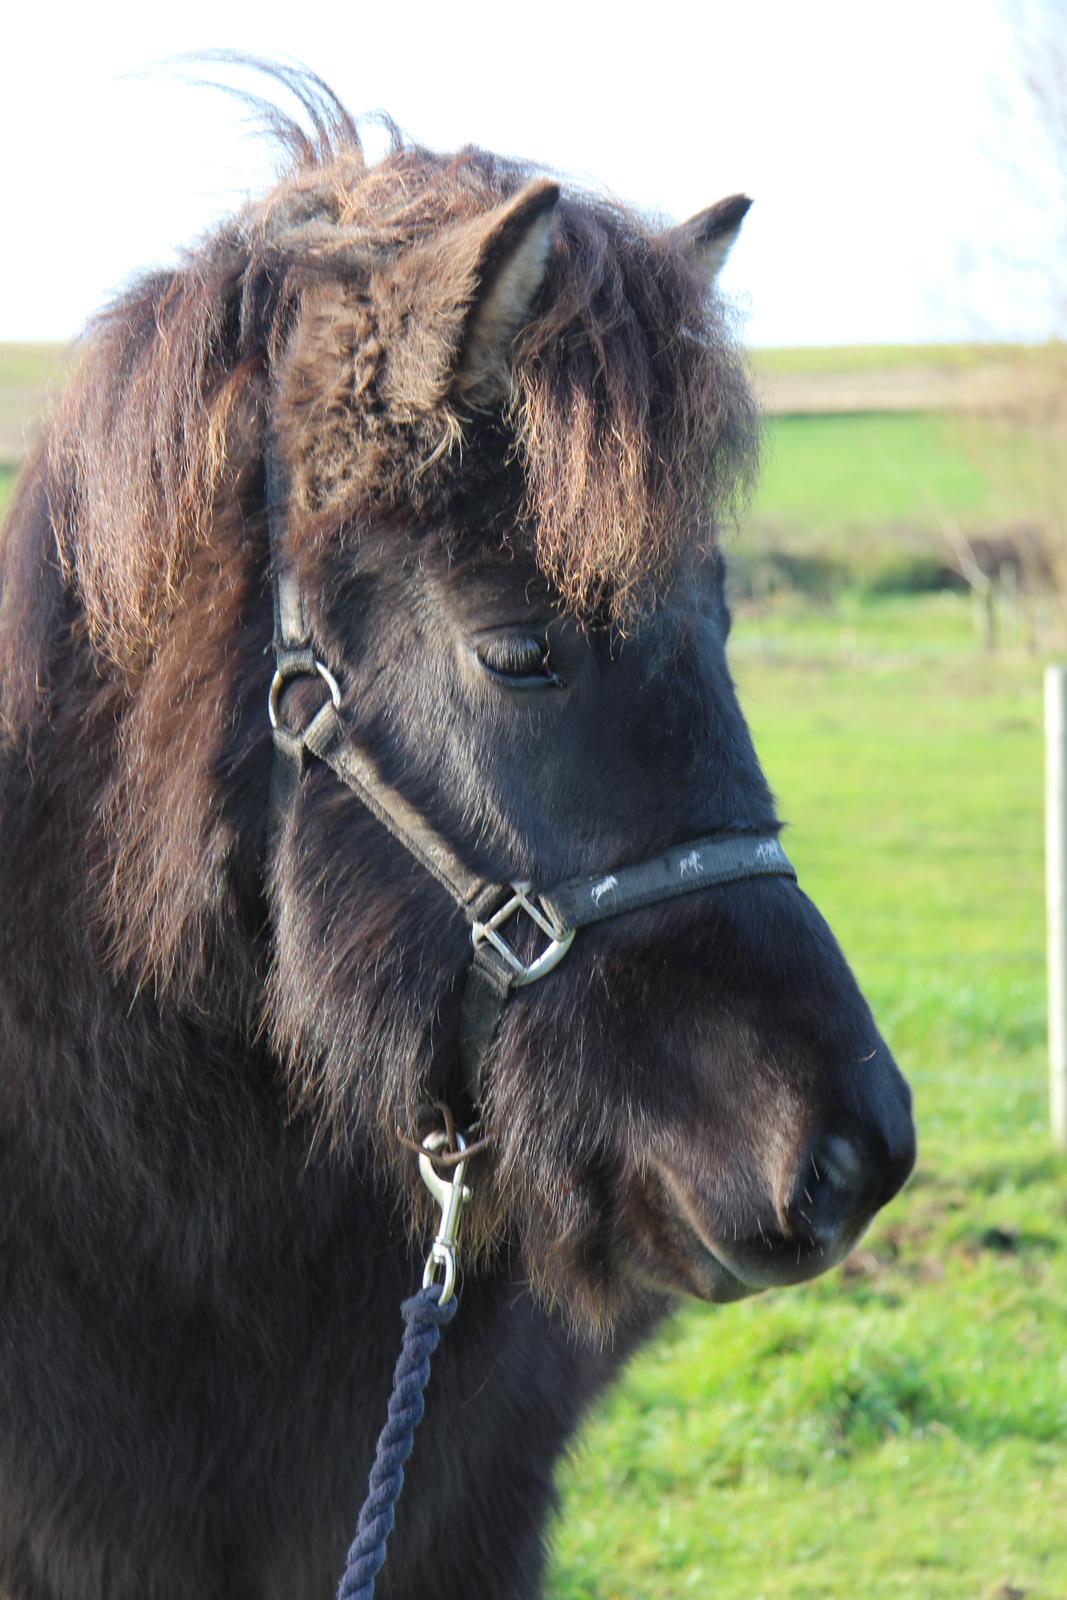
column 630, row 410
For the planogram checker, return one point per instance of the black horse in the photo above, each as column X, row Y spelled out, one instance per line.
column 504, row 420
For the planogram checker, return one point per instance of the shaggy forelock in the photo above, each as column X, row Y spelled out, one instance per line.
column 631, row 412
column 630, row 415
column 631, row 408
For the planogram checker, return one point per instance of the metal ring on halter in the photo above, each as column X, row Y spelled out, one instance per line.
column 280, row 678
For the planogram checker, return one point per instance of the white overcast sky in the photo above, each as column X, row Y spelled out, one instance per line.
column 902, row 191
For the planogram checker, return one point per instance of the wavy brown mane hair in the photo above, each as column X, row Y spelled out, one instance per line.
column 630, row 410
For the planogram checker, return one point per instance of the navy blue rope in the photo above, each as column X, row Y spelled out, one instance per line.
column 424, row 1318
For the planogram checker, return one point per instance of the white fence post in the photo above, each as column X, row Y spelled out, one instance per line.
column 1056, row 894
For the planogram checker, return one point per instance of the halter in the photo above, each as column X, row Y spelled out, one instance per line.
column 491, row 909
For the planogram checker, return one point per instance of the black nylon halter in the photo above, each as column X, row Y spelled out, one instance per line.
column 496, row 969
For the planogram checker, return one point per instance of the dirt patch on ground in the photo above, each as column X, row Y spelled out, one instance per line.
column 984, row 386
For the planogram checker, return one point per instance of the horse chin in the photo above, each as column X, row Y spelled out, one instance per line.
column 675, row 1251
column 697, row 1273
column 667, row 1253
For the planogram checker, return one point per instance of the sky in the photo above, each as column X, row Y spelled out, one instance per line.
column 902, row 188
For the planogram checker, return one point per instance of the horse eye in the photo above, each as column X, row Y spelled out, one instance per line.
column 518, row 659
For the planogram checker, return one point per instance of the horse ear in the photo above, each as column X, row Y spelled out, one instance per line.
column 710, row 235
column 451, row 308
column 512, row 257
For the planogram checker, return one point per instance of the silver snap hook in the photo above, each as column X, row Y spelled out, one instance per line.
column 451, row 1194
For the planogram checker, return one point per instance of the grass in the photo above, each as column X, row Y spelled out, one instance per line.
column 29, row 373
column 867, row 471
column 30, row 366
column 864, row 500
column 900, row 1426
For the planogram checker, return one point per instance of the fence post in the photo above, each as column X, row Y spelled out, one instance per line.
column 1056, row 894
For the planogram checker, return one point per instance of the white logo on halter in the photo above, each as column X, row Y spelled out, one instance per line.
column 605, row 886
column 689, row 865
column 769, row 850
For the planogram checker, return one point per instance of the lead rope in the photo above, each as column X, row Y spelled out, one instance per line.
column 424, row 1317
column 425, row 1314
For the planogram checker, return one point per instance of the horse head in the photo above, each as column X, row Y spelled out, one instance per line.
column 506, row 421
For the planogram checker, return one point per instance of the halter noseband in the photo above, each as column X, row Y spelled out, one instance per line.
column 496, row 968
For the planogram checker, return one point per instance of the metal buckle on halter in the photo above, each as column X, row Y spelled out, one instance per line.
column 299, row 670
column 559, row 939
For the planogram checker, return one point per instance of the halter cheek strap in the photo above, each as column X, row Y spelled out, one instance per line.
column 492, row 910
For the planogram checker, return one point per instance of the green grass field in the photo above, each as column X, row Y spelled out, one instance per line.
column 899, row 1428
column 868, row 500
column 29, row 374
column 863, row 472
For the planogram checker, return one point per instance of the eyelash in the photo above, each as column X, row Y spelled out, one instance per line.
column 518, row 661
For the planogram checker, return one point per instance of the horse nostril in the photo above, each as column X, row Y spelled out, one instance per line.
column 836, row 1185
column 839, row 1163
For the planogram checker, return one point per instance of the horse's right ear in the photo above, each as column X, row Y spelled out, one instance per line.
column 468, row 293
column 710, row 235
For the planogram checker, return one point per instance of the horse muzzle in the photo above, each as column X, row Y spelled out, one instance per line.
column 827, row 1201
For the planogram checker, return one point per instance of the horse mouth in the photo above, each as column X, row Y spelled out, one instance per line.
column 698, row 1273
column 677, row 1254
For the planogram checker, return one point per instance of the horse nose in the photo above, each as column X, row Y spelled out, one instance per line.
column 842, row 1181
